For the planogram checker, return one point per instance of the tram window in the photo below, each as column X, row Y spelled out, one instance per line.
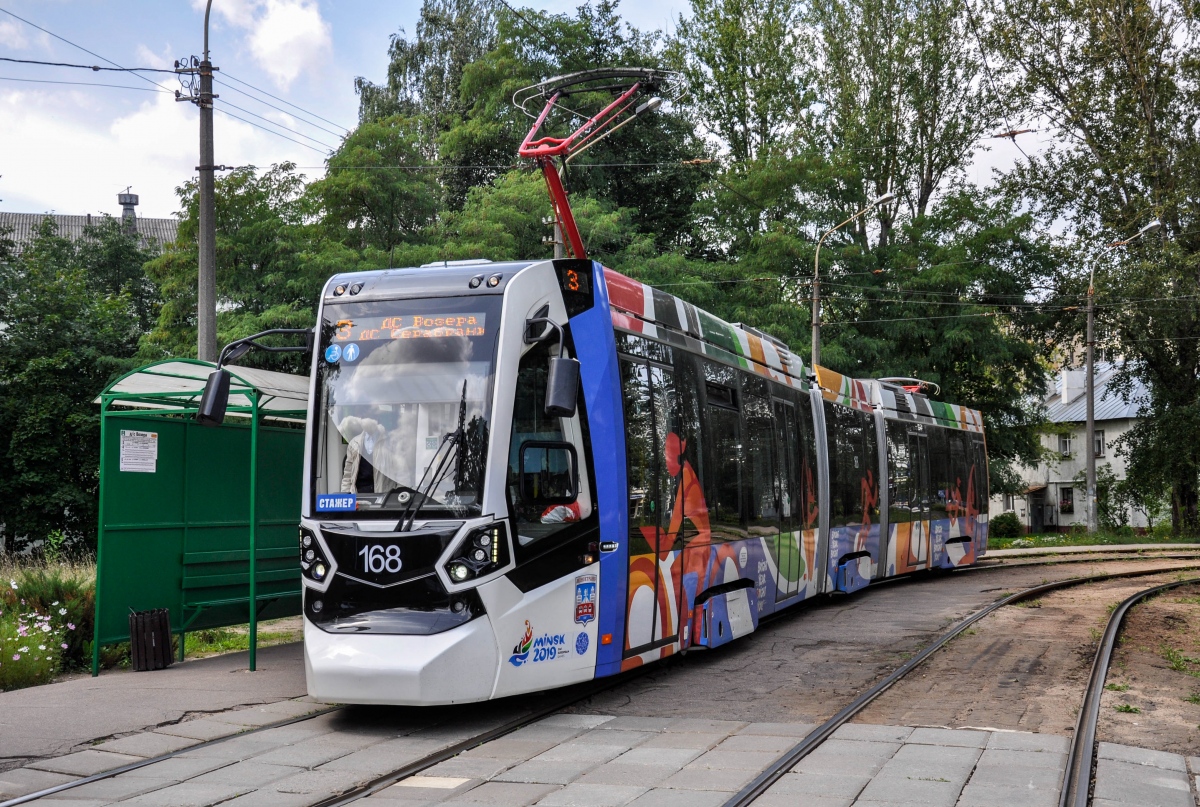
column 761, row 491
column 536, row 519
column 640, row 453
column 644, row 348
column 787, row 451
column 722, row 439
column 721, row 374
column 940, row 475
column 852, row 466
column 981, row 476
column 392, row 398
column 900, row 487
column 959, row 473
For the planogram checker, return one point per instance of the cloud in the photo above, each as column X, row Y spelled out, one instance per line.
column 12, row 36
column 74, row 163
column 285, row 37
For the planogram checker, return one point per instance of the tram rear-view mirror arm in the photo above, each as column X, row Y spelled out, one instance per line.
column 562, row 382
column 215, row 400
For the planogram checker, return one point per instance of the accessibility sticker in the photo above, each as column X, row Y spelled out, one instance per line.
column 351, row 352
column 333, row 353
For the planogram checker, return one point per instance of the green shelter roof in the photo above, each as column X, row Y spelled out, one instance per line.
column 179, row 383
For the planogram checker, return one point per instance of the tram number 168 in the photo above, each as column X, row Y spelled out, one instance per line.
column 377, row 558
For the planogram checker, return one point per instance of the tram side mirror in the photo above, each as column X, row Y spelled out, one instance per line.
column 549, row 473
column 562, row 387
column 215, row 399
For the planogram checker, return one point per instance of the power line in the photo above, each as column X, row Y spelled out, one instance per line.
column 92, row 67
column 280, row 125
column 80, row 47
column 282, row 101
column 265, row 129
column 82, row 84
column 279, row 109
column 156, row 84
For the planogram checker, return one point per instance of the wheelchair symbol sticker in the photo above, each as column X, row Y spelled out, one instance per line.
column 333, row 353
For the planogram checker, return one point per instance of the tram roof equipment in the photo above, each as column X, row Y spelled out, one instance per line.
column 198, row 520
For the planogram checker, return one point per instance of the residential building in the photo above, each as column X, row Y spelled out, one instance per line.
column 1055, row 494
column 22, row 227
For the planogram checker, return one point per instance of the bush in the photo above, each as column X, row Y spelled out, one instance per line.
column 32, row 640
column 64, row 591
column 1005, row 525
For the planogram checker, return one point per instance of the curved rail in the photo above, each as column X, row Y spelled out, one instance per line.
column 760, row 784
column 608, row 682
column 1077, row 778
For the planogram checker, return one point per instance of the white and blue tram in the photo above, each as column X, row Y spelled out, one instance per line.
column 479, row 521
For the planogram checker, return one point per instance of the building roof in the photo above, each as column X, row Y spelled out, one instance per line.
column 1109, row 404
column 24, row 227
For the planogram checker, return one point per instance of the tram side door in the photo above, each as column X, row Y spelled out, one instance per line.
column 918, row 453
column 652, row 611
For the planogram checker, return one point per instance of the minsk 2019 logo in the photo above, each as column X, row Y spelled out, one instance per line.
column 546, row 647
column 585, row 598
column 521, row 651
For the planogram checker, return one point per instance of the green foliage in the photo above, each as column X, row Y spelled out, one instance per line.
column 72, row 315
column 1118, row 88
column 377, row 191
column 1128, row 709
column 1005, row 525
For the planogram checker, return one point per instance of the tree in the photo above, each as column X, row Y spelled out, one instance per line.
column 424, row 75
column 378, row 190
column 72, row 314
column 271, row 264
column 1117, row 82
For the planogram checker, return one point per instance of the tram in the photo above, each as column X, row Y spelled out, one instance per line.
column 525, row 475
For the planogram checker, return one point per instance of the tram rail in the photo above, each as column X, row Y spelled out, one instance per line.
column 1081, row 758
column 774, row 772
column 1077, row 778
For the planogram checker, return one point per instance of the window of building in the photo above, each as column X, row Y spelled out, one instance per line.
column 1064, row 445
column 1066, row 500
column 1098, row 443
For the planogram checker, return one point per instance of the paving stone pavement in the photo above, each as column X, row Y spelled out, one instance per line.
column 580, row 760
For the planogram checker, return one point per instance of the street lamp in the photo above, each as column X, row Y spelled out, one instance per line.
column 816, row 293
column 1090, row 447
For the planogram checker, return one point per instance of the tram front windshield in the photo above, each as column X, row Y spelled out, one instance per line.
column 404, row 390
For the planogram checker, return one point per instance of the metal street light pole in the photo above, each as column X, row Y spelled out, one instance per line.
column 206, row 297
column 1090, row 447
column 816, row 292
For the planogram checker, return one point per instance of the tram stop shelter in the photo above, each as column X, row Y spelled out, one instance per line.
column 201, row 521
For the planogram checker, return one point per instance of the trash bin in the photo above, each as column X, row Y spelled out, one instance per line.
column 150, row 639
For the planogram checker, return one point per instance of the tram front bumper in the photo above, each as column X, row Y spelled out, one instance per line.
column 456, row 666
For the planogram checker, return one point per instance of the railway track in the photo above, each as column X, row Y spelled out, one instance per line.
column 1077, row 778
column 785, row 762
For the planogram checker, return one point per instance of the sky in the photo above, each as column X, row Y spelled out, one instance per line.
column 70, row 149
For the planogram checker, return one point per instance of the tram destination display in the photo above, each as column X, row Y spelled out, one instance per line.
column 411, row 326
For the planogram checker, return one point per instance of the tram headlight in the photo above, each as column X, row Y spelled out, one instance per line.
column 313, row 563
column 484, row 551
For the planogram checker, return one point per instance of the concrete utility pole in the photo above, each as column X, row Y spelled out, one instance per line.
column 206, row 297
column 816, row 294
column 1090, row 439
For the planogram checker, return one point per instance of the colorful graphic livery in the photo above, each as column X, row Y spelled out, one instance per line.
column 599, row 472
